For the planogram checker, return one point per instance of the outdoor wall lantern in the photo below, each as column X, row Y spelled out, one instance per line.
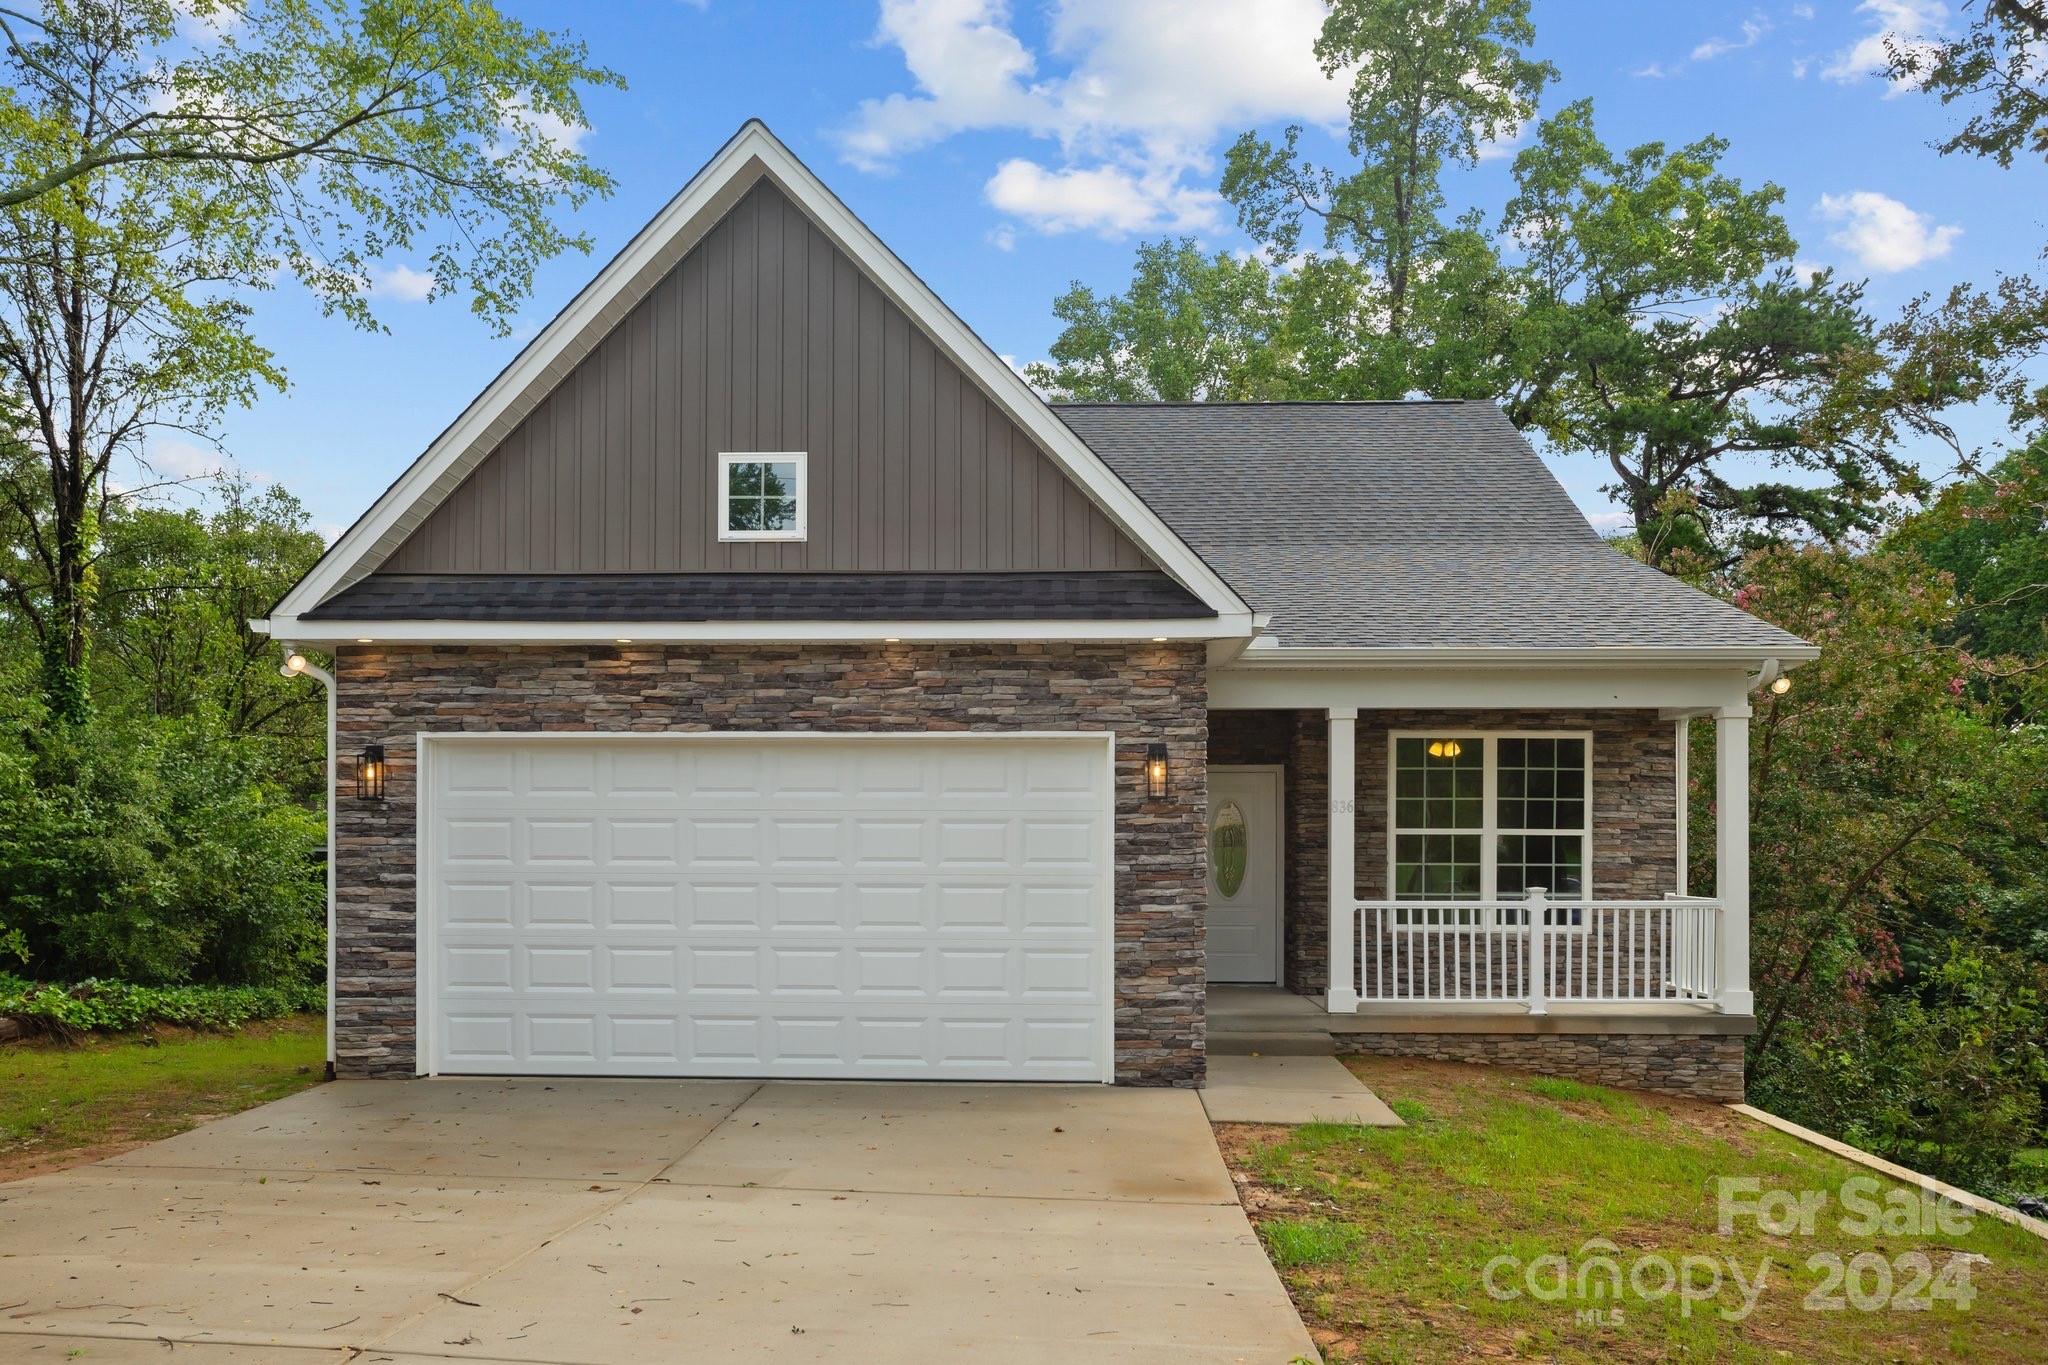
column 1155, row 771
column 370, row 773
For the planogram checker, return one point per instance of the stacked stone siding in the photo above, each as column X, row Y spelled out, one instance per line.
column 1635, row 806
column 1145, row 694
column 1308, row 855
column 1635, row 792
column 1700, row 1066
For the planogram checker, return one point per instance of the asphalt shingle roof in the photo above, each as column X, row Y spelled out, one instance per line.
column 1139, row 595
column 1397, row 525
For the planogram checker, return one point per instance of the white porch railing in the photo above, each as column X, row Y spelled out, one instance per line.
column 1539, row 951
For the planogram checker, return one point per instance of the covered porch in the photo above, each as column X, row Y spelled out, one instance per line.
column 1482, row 850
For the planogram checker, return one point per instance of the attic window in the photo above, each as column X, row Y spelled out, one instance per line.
column 761, row 496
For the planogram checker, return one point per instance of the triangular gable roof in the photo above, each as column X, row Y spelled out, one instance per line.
column 752, row 153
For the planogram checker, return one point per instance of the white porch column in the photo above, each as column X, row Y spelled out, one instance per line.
column 1343, row 997
column 1731, row 854
column 1683, row 751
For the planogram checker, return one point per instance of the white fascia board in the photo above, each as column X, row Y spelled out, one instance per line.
column 297, row 631
column 1456, row 687
column 1263, row 654
column 579, row 327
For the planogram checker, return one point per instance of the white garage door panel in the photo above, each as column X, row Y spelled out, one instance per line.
column 795, row 906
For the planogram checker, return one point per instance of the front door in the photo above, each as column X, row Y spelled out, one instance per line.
column 1244, row 874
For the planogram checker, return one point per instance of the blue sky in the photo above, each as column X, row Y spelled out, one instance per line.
column 1004, row 149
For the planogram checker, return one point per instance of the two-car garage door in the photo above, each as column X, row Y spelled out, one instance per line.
column 930, row 906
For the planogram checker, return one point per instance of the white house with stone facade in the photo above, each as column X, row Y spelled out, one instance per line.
column 759, row 679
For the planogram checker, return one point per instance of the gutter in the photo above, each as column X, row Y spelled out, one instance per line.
column 298, row 665
column 1265, row 653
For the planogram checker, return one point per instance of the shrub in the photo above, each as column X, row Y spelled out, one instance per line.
column 112, row 1006
column 152, row 850
column 1945, row 1078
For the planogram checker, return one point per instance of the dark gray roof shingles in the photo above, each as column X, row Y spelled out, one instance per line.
column 1122, row 596
column 1397, row 525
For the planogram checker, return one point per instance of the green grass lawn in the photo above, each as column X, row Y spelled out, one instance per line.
column 1384, row 1236
column 65, row 1102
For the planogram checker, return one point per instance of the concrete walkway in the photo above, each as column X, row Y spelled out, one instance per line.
column 1291, row 1090
column 622, row 1221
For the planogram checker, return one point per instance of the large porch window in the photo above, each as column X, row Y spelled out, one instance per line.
column 1483, row 816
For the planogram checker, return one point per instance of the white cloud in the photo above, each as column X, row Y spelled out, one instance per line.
column 1133, row 93
column 203, row 24
column 1104, row 199
column 1651, row 71
column 1753, row 31
column 1882, row 233
column 1003, row 237
column 1800, row 66
column 1902, row 23
column 172, row 457
column 404, row 283
column 1609, row 523
column 1802, row 11
column 517, row 114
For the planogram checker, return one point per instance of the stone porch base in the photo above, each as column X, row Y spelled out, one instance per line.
column 1696, row 1053
column 1696, row 1066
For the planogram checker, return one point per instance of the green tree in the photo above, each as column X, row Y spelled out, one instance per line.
column 1190, row 327
column 1432, row 83
column 1990, row 534
column 178, row 588
column 148, row 183
column 1899, row 826
column 2002, row 59
column 1664, row 328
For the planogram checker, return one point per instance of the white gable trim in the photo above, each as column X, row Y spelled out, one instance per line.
column 578, row 328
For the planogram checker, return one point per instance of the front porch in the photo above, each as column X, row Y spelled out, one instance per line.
column 1485, row 882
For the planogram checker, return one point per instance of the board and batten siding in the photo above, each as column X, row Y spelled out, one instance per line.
column 766, row 337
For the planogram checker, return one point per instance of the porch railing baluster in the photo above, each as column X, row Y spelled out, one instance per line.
column 1539, row 952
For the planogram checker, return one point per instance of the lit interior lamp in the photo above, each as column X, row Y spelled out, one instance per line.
column 1155, row 771
column 1780, row 685
column 370, row 773
column 1445, row 748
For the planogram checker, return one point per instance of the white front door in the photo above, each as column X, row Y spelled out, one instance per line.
column 903, row 907
column 1244, row 874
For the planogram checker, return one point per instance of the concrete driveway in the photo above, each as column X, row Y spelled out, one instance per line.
column 618, row 1221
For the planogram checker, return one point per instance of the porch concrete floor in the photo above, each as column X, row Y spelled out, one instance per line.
column 1291, row 1090
column 592, row 1222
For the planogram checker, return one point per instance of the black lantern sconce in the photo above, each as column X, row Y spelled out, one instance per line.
column 370, row 773
column 1155, row 771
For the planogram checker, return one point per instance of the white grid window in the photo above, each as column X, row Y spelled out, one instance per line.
column 1485, row 816
column 762, row 496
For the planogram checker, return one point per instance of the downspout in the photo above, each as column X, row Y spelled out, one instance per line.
column 298, row 665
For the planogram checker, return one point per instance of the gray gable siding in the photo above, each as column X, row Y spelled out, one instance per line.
column 766, row 337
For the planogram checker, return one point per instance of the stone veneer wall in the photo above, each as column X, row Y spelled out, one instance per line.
column 1698, row 1066
column 1295, row 740
column 1635, row 809
column 1145, row 693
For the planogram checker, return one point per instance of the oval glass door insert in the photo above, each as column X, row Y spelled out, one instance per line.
column 1228, row 849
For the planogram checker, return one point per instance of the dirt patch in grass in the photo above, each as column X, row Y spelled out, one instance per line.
column 65, row 1104
column 1384, row 1236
